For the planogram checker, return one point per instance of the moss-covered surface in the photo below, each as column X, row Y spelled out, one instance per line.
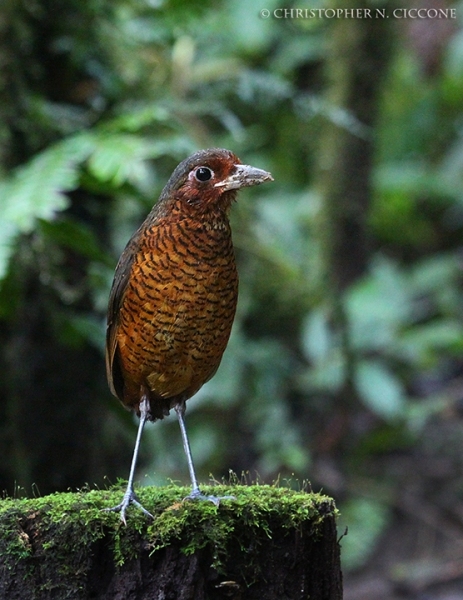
column 63, row 533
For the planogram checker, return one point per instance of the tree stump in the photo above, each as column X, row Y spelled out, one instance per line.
column 267, row 543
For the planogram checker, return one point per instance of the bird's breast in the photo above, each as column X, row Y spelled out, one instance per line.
column 178, row 308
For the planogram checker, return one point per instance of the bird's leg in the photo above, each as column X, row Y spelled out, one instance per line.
column 195, row 493
column 130, row 496
column 180, row 410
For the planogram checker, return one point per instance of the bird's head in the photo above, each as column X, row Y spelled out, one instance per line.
column 208, row 181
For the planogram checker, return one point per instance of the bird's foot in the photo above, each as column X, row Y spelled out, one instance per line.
column 129, row 498
column 196, row 494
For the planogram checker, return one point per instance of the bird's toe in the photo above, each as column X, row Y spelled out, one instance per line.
column 128, row 499
column 196, row 494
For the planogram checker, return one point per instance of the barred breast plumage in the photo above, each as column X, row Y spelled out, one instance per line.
column 177, row 311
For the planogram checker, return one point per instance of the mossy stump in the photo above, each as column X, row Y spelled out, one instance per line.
column 268, row 543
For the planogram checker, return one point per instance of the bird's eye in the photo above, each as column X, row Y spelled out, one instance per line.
column 203, row 174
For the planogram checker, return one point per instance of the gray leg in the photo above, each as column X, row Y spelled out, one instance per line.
column 130, row 496
column 180, row 410
column 195, row 493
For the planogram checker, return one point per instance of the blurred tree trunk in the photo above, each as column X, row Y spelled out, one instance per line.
column 355, row 70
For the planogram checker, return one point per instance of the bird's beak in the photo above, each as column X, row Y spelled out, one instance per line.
column 244, row 176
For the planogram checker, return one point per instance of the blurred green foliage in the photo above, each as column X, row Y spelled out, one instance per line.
column 100, row 100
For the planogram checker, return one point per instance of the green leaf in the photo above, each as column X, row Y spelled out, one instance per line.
column 7, row 238
column 378, row 306
column 435, row 274
column 380, row 390
column 317, row 337
column 37, row 190
column 425, row 343
column 328, row 375
column 365, row 520
column 118, row 157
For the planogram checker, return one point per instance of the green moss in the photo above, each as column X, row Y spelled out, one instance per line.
column 65, row 527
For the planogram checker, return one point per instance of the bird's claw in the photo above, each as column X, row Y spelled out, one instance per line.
column 129, row 498
column 196, row 494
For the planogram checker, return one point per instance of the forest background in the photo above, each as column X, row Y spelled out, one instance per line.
column 345, row 365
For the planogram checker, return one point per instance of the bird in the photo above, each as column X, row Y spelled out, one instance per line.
column 173, row 298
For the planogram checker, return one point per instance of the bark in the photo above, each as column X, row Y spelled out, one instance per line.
column 355, row 69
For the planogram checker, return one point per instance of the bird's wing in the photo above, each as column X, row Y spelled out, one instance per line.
column 116, row 297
